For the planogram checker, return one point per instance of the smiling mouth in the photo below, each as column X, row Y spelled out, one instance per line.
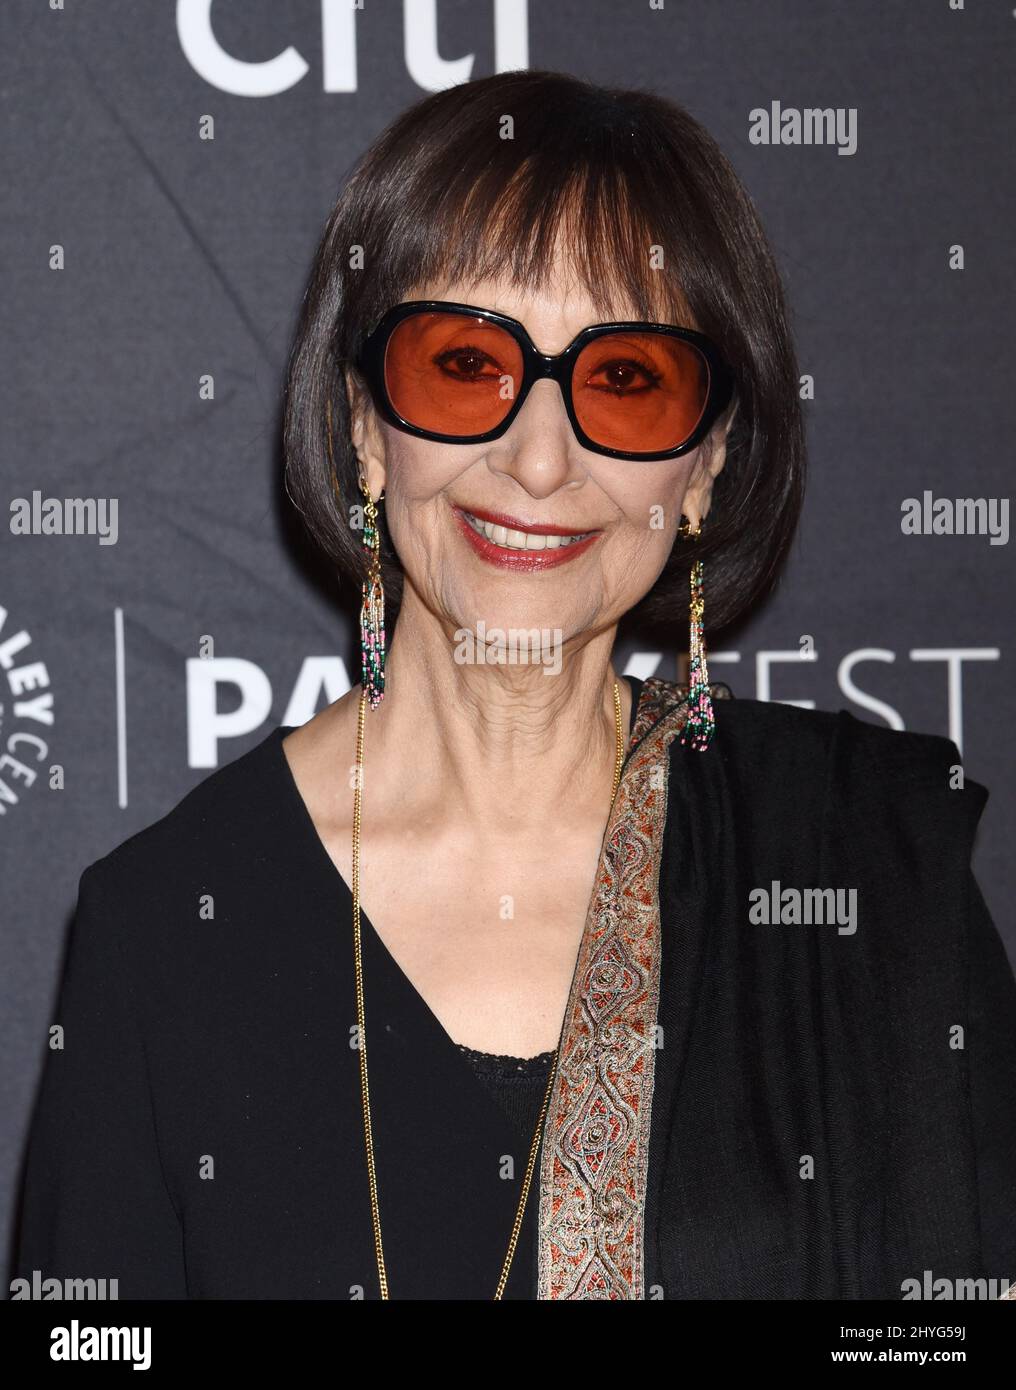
column 507, row 538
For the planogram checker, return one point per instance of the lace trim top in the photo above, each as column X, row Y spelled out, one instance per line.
column 516, row 1083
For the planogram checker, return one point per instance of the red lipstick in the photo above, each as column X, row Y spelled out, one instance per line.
column 525, row 561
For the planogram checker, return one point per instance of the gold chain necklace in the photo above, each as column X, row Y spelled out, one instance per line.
column 362, row 1032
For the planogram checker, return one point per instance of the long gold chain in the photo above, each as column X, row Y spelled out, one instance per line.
column 362, row 1031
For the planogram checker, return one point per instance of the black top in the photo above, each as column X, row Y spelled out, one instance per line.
column 443, row 1113
column 832, row 1114
column 516, row 1083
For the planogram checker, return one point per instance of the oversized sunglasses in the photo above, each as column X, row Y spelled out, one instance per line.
column 460, row 375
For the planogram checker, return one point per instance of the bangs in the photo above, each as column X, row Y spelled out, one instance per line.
column 590, row 228
column 588, row 190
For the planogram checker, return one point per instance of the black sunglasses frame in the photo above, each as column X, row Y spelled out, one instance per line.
column 539, row 366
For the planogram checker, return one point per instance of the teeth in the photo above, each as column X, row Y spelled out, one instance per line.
column 520, row 540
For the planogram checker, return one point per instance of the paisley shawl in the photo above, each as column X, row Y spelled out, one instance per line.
column 595, row 1151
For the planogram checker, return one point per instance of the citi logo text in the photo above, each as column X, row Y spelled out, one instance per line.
column 425, row 65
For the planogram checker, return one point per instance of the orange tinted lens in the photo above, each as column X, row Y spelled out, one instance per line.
column 640, row 392
column 452, row 373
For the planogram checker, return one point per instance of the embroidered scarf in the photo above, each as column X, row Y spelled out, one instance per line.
column 595, row 1152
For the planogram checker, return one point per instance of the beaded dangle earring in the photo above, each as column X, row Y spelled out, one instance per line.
column 372, row 610
column 699, row 726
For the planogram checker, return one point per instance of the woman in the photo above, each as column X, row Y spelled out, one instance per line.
column 470, row 987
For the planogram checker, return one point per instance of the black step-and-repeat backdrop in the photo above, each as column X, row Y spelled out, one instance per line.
column 168, row 167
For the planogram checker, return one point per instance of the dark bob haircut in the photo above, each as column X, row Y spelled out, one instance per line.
column 618, row 174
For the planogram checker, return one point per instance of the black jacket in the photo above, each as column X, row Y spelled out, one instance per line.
column 834, row 1111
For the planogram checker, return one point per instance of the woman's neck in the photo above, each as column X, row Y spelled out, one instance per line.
column 509, row 743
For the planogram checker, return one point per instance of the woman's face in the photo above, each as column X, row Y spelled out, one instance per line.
column 540, row 475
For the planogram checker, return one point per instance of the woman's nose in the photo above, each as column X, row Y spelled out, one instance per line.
column 540, row 441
